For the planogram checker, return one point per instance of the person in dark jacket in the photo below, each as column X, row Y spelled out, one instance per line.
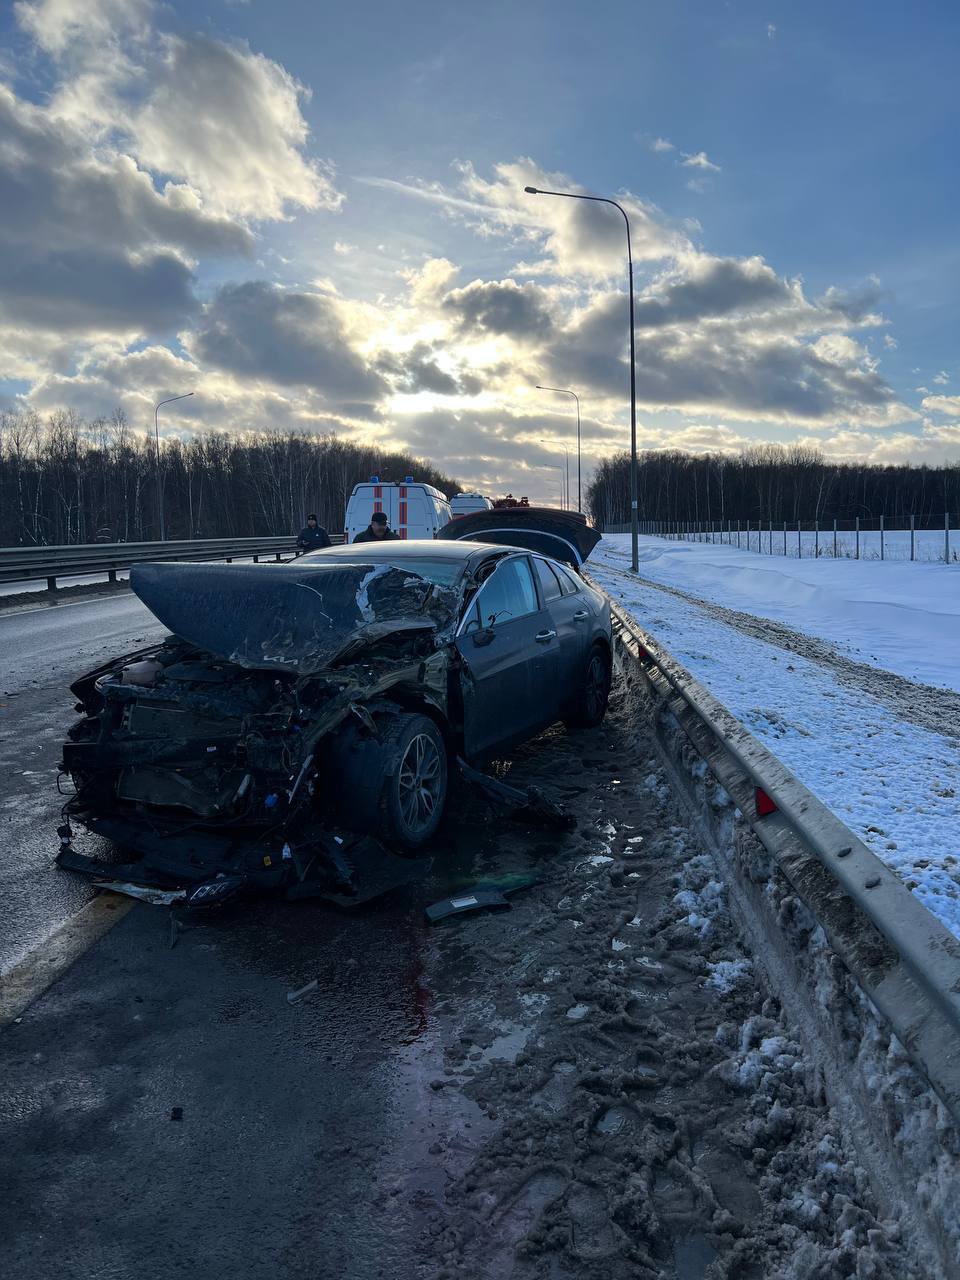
column 378, row 530
column 314, row 537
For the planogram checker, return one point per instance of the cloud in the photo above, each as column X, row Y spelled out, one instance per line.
column 661, row 144
column 942, row 378
column 228, row 121
column 890, row 342
column 707, row 286
column 578, row 238
column 501, row 307
column 260, row 332
column 57, row 24
column 699, row 161
column 87, row 244
column 943, row 404
column 771, row 30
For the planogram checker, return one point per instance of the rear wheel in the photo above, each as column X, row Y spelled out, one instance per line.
column 591, row 702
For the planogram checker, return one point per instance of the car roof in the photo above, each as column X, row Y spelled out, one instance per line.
column 395, row 552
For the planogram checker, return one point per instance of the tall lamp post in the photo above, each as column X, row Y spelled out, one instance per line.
column 566, row 463
column 156, row 436
column 565, row 391
column 634, row 487
column 558, row 466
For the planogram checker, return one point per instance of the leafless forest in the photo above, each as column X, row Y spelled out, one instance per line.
column 64, row 480
column 770, row 483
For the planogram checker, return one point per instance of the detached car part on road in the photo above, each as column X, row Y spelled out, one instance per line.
column 300, row 712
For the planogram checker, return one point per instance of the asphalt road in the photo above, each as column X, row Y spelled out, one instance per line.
column 554, row 1092
column 41, row 651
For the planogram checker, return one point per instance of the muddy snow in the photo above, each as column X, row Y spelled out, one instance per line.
column 653, row 1113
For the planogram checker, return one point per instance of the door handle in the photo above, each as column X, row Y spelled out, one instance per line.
column 581, row 614
column 544, row 637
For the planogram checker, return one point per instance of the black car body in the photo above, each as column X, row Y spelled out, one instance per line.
column 296, row 706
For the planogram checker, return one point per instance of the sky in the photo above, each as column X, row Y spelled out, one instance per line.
column 312, row 216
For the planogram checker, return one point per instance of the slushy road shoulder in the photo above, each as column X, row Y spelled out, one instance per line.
column 42, row 651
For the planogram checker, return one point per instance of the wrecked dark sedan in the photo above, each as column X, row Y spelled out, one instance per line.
column 299, row 714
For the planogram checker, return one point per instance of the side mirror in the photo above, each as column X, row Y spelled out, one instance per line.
column 484, row 637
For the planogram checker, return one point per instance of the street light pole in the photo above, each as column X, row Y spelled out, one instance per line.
column 565, row 469
column 156, row 436
column 565, row 391
column 634, row 487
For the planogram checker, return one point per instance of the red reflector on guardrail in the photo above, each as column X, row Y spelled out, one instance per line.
column 765, row 806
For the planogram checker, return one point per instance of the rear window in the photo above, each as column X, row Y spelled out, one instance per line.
column 549, row 582
column 568, row 581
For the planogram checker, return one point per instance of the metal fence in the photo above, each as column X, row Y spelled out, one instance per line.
column 27, row 564
column 926, row 538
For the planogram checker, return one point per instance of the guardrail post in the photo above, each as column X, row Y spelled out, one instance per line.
column 857, row 556
column 913, row 534
column 51, row 584
column 111, row 575
column 881, row 537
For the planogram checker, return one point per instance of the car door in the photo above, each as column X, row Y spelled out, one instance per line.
column 571, row 621
column 509, row 661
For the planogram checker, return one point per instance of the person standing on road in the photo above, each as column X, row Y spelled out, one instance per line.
column 378, row 530
column 313, row 537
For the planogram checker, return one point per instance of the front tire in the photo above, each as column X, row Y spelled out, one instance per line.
column 415, row 782
column 590, row 706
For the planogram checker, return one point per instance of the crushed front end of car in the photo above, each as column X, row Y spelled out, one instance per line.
column 218, row 758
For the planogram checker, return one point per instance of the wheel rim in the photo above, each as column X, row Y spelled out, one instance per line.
column 421, row 783
column 596, row 684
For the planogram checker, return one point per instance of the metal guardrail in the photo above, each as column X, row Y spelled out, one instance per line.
column 23, row 564
column 906, row 961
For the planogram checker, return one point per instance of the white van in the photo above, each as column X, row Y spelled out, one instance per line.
column 414, row 510
column 463, row 504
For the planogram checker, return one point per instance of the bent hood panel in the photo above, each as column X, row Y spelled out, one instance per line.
column 288, row 617
column 564, row 535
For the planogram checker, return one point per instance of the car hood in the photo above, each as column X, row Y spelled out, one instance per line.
column 294, row 618
column 564, row 535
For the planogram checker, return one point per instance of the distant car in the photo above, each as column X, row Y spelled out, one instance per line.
column 332, row 693
column 464, row 504
column 414, row 510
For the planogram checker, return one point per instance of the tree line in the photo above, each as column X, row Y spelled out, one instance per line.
column 770, row 483
column 66, row 480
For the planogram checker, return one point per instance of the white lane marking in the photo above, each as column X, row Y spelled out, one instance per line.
column 28, row 980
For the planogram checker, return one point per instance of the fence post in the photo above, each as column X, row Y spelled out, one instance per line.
column 816, row 539
column 799, row 542
column 834, row 539
column 913, row 534
column 881, row 537
column 784, row 539
column 946, row 537
column 857, row 556
column 771, row 535
column 738, row 535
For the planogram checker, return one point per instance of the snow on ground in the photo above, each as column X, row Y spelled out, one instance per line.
column 895, row 784
column 900, row 616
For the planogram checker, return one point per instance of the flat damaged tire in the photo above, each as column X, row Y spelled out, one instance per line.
column 590, row 706
column 393, row 785
column 415, row 783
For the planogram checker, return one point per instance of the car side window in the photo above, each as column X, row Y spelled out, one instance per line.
column 507, row 594
column 569, row 583
column 549, row 582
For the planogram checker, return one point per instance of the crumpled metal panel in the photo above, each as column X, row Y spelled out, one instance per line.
column 293, row 618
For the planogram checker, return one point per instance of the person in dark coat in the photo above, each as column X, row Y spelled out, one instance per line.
column 378, row 530
column 314, row 537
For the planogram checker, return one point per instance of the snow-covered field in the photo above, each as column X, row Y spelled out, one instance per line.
column 870, row 755
column 899, row 616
